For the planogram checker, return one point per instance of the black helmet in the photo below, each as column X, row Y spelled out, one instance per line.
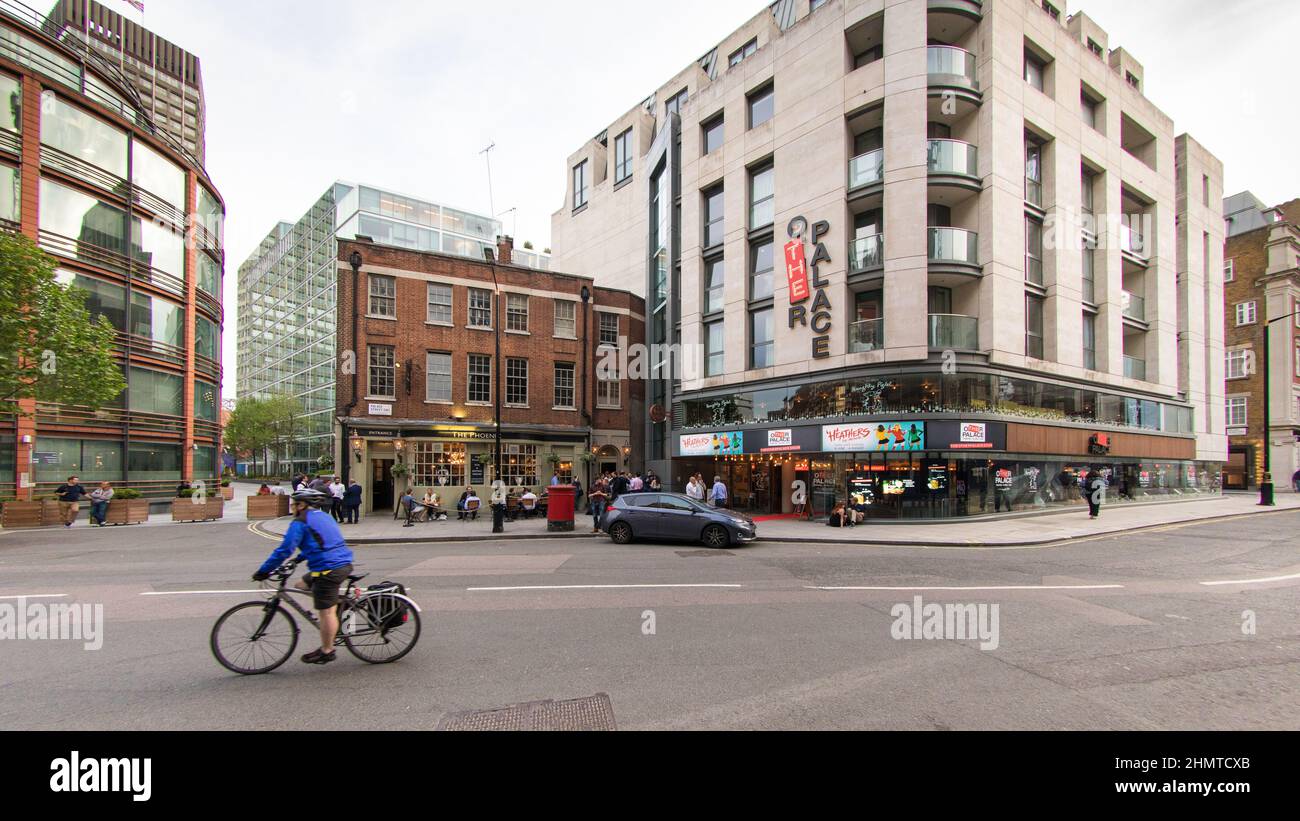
column 315, row 498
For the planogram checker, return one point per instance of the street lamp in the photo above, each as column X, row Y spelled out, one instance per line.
column 1266, row 486
column 585, row 293
column 498, row 507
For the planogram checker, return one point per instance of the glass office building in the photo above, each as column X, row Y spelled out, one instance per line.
column 288, row 298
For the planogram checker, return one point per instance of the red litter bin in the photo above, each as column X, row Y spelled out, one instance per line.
column 559, row 508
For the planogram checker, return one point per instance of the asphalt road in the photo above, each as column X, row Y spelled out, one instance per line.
column 1109, row 633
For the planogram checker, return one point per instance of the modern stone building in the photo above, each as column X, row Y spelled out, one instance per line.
column 885, row 234
column 429, row 380
column 131, row 216
column 287, row 295
column 1262, row 283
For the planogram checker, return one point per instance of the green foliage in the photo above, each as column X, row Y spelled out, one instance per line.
column 50, row 349
column 189, row 492
column 127, row 493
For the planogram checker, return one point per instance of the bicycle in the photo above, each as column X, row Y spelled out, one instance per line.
column 379, row 625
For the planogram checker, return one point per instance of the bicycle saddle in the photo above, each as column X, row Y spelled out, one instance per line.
column 357, row 578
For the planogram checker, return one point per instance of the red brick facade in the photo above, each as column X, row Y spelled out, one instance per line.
column 551, row 431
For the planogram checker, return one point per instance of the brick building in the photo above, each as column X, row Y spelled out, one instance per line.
column 425, row 385
column 1261, row 281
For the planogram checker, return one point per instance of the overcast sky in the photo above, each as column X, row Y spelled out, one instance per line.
column 406, row 93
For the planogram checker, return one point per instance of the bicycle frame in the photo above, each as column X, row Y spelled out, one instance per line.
column 347, row 602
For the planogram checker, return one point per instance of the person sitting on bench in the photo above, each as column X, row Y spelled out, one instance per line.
column 469, row 504
column 433, row 507
column 528, row 503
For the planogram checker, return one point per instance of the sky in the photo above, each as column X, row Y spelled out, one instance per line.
column 405, row 94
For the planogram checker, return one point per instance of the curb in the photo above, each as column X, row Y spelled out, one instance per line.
column 1057, row 540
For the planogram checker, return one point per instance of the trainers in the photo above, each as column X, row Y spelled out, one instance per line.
column 318, row 657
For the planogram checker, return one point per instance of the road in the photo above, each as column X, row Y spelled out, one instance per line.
column 1108, row 633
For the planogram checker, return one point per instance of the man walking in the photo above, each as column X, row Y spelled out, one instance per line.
column 718, row 495
column 352, row 502
column 70, row 494
column 336, row 490
column 1095, row 489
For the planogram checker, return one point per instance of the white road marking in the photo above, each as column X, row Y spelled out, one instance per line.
column 1292, row 577
column 200, row 592
column 38, row 596
column 599, row 587
column 966, row 589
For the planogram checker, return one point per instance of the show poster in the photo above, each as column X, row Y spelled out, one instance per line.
column 728, row 443
column 936, row 478
column 873, row 436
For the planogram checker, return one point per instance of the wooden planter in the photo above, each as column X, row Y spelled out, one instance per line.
column 228, row 493
column 127, row 512
column 271, row 506
column 50, row 511
column 26, row 514
column 185, row 510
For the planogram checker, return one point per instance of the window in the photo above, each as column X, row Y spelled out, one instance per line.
column 623, row 156
column 741, row 53
column 480, row 379
column 1132, row 79
column 1094, row 47
column 1297, row 359
column 1087, row 183
column 607, row 390
column 762, row 105
column 10, row 192
column 1237, row 364
column 1052, row 11
column 383, row 372
column 760, row 271
column 1089, row 274
column 517, row 313
column 1090, row 341
column 83, row 136
column 815, row 4
column 11, row 118
column 580, row 185
column 761, row 341
column 1090, row 110
column 1246, row 313
column 1236, row 411
column 1034, row 326
column 438, row 464
column 480, row 308
column 383, row 296
column 1205, row 190
column 1035, row 69
column 519, row 464
column 714, row 133
column 1034, row 251
column 762, row 196
column 675, row 103
column 437, row 377
column 1033, row 171
column 517, row 382
column 566, row 319
column 439, row 300
column 714, row 283
column 1228, row 273
column 608, row 328
column 713, row 351
column 564, row 393
column 713, row 211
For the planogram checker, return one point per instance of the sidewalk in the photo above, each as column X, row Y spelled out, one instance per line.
column 1012, row 530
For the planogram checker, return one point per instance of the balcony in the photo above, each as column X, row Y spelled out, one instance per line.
column 953, row 158
column 953, row 332
column 952, row 67
column 867, row 169
column 954, row 250
column 1134, row 306
column 866, row 335
column 866, row 254
column 1135, row 368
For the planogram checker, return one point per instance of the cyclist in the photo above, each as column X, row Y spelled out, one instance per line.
column 329, row 563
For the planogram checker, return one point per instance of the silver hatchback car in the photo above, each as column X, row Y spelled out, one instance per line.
column 672, row 516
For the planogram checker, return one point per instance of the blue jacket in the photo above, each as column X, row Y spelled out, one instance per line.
column 331, row 553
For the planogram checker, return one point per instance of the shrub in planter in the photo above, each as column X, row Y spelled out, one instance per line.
column 127, row 507
column 188, row 510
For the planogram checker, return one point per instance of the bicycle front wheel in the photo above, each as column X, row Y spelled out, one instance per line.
column 382, row 629
column 253, row 638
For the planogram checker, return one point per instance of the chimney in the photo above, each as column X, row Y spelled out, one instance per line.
column 505, row 250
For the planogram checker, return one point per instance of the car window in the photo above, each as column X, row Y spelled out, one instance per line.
column 641, row 500
column 673, row 503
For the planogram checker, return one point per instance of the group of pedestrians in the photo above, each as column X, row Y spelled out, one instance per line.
column 714, row 495
column 607, row 487
column 344, row 500
column 71, row 493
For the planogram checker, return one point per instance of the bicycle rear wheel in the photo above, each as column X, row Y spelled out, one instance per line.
column 251, row 639
column 385, row 628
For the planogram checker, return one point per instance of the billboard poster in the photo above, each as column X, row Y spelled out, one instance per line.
column 944, row 435
column 727, row 443
column 873, row 436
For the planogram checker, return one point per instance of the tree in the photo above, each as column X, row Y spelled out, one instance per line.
column 249, row 428
column 50, row 348
column 284, row 414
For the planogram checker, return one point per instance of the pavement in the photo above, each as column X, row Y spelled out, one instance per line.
column 1025, row 529
column 1184, row 627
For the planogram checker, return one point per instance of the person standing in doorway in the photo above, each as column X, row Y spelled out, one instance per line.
column 1095, row 489
column 70, row 496
column 352, row 503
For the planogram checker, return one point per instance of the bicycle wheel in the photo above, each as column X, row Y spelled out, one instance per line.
column 385, row 629
column 237, row 650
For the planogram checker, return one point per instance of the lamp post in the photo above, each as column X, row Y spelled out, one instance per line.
column 1266, row 486
column 498, row 507
column 586, row 354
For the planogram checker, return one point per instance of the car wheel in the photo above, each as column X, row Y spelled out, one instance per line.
column 621, row 532
column 715, row 536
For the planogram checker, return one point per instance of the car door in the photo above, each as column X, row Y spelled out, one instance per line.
column 642, row 514
column 678, row 519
